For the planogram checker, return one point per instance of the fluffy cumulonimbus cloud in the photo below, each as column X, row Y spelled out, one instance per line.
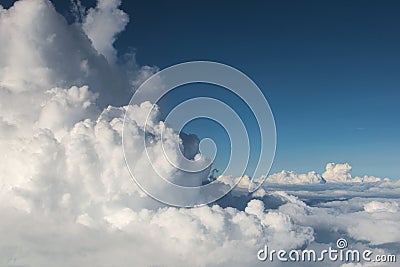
column 66, row 196
column 341, row 173
column 44, row 52
column 58, row 141
column 334, row 173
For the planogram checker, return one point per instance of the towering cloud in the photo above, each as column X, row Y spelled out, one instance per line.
column 341, row 173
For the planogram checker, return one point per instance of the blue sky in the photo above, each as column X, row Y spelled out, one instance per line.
column 330, row 70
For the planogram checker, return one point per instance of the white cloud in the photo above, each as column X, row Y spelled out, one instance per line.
column 337, row 172
column 102, row 24
column 78, row 103
column 334, row 173
column 340, row 173
column 290, row 177
column 44, row 52
column 375, row 206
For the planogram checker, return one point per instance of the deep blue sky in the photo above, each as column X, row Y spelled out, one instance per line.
column 329, row 69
